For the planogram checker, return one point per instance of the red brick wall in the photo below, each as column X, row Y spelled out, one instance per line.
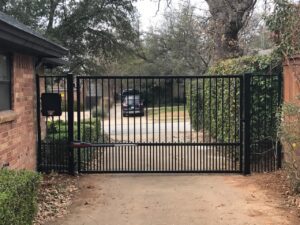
column 291, row 87
column 18, row 137
column 291, row 76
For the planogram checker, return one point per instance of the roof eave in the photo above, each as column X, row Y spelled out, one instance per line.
column 39, row 46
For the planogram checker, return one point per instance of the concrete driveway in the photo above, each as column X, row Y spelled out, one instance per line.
column 174, row 200
column 151, row 127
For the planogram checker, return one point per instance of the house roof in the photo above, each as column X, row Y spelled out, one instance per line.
column 17, row 36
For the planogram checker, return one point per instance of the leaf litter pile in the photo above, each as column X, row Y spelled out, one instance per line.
column 55, row 195
column 278, row 182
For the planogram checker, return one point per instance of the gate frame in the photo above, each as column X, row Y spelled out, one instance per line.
column 245, row 124
column 244, row 84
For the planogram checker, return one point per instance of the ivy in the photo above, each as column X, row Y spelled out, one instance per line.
column 284, row 24
column 289, row 134
column 221, row 119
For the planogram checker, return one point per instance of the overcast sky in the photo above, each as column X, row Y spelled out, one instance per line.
column 148, row 10
column 149, row 16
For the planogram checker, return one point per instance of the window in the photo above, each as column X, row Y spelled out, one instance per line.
column 5, row 82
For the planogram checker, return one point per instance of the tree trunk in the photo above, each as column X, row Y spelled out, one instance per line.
column 229, row 17
column 52, row 8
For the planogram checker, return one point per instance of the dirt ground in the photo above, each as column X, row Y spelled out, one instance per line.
column 163, row 199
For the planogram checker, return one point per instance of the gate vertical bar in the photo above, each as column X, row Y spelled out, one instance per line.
column 241, row 123
column 246, row 121
column 78, row 123
column 280, row 98
column 70, row 89
column 38, row 114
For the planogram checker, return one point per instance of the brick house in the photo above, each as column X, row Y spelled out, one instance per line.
column 23, row 54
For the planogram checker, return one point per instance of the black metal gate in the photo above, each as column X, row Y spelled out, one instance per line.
column 153, row 124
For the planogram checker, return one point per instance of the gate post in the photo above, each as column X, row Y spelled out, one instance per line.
column 38, row 114
column 246, row 121
column 70, row 99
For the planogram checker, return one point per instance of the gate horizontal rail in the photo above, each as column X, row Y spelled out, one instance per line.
column 85, row 144
column 161, row 77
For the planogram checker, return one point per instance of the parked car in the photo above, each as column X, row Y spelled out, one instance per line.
column 128, row 92
column 133, row 105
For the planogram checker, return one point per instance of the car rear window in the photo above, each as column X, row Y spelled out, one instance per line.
column 132, row 99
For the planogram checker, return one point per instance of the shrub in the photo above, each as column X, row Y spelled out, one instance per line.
column 215, row 108
column 290, row 136
column 99, row 112
column 195, row 105
column 18, row 197
column 55, row 148
column 259, row 65
column 90, row 132
column 264, row 99
column 57, row 131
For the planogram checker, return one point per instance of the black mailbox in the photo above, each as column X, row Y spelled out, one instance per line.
column 51, row 104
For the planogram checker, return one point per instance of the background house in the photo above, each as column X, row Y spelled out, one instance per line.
column 23, row 54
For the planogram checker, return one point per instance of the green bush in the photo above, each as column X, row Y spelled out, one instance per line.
column 57, row 131
column 289, row 134
column 220, row 115
column 18, row 197
column 55, row 147
column 195, row 105
column 259, row 65
column 99, row 112
column 214, row 107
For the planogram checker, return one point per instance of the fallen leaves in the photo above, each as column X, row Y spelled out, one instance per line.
column 55, row 195
column 278, row 182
